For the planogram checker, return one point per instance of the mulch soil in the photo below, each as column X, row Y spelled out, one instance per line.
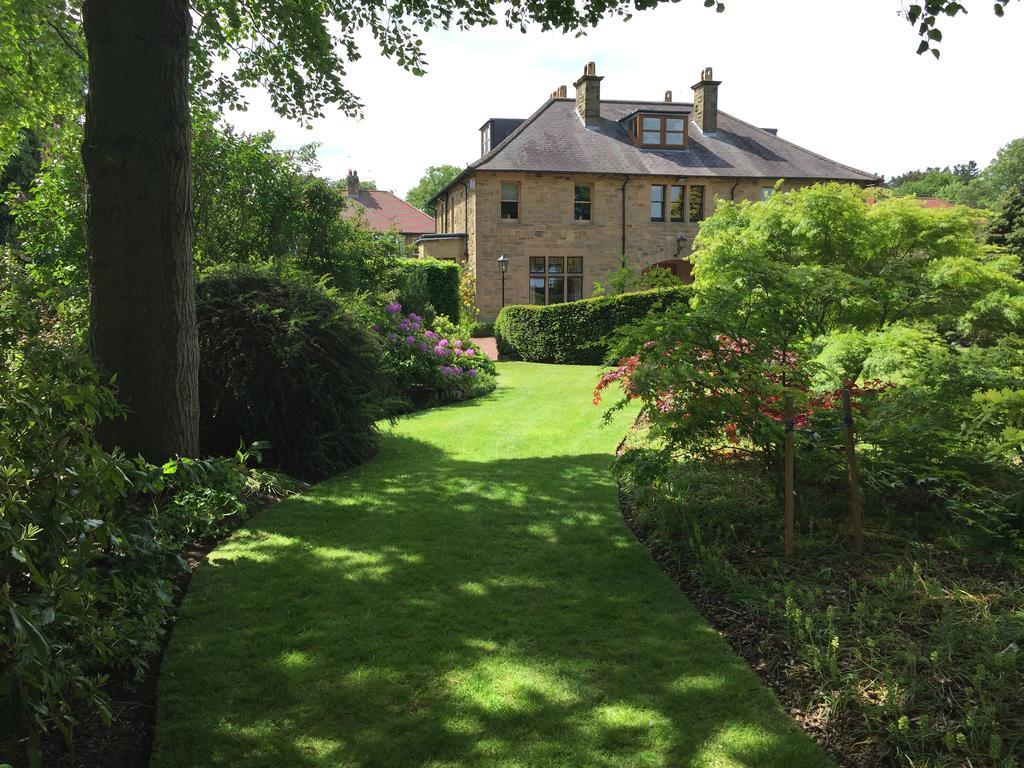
column 127, row 741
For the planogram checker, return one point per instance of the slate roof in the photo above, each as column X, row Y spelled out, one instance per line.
column 385, row 210
column 554, row 139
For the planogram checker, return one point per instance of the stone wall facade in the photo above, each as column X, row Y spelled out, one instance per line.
column 546, row 226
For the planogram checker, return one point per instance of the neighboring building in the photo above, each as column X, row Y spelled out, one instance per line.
column 586, row 185
column 385, row 211
column 933, row 202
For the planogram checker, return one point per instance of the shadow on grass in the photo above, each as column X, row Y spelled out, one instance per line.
column 424, row 610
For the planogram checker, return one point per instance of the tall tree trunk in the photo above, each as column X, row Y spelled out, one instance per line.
column 137, row 156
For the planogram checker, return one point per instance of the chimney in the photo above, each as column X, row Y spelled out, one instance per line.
column 668, row 95
column 559, row 92
column 705, row 102
column 588, row 95
column 352, row 182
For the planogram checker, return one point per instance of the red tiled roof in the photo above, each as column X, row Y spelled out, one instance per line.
column 934, row 202
column 385, row 210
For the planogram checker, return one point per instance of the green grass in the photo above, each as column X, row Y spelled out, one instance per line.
column 469, row 598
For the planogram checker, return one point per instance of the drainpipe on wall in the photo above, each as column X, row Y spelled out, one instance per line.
column 625, row 181
column 465, row 211
column 732, row 192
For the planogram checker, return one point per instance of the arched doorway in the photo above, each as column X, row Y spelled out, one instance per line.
column 681, row 268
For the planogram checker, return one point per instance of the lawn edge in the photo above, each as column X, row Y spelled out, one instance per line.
column 736, row 624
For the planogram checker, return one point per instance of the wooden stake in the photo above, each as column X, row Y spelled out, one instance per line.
column 851, row 464
column 788, row 501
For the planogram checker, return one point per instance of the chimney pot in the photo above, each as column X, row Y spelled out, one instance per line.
column 559, row 92
column 668, row 95
column 705, row 102
column 588, row 95
column 352, row 184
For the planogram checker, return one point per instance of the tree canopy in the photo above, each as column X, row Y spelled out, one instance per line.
column 964, row 183
column 298, row 51
column 434, row 179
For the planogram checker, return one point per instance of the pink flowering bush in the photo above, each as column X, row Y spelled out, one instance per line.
column 712, row 392
column 433, row 363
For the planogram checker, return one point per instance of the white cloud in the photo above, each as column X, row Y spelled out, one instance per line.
column 840, row 78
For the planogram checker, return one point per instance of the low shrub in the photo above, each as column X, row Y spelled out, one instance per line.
column 281, row 360
column 432, row 362
column 577, row 332
column 433, row 281
column 480, row 330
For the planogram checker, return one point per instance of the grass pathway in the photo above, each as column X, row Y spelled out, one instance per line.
column 469, row 598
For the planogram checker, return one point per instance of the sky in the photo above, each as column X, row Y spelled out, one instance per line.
column 839, row 77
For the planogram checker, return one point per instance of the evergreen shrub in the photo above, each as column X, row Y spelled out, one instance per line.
column 282, row 360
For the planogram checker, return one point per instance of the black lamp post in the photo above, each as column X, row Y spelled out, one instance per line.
column 503, row 264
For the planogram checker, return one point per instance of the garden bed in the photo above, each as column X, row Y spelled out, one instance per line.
column 903, row 656
column 126, row 742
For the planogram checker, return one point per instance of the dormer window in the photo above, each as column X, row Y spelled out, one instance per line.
column 659, row 130
column 662, row 131
column 485, row 139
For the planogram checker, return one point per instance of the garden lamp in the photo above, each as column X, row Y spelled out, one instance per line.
column 503, row 264
column 680, row 244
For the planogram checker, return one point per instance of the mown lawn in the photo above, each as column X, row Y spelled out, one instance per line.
column 469, row 598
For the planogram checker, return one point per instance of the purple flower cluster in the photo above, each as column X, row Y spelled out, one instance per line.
column 433, row 357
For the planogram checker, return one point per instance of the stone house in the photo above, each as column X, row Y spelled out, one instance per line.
column 586, row 185
column 385, row 211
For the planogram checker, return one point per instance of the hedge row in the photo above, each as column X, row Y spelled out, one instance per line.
column 442, row 279
column 577, row 332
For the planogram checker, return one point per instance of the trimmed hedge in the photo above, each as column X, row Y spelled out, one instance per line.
column 577, row 332
column 442, row 280
column 481, row 330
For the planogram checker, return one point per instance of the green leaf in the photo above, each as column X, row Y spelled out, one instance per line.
column 39, row 648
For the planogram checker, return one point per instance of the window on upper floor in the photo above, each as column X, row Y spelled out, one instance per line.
column 676, row 198
column 696, row 212
column 582, row 202
column 685, row 203
column 509, row 200
column 661, row 131
column 555, row 279
column 485, row 139
column 657, row 202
